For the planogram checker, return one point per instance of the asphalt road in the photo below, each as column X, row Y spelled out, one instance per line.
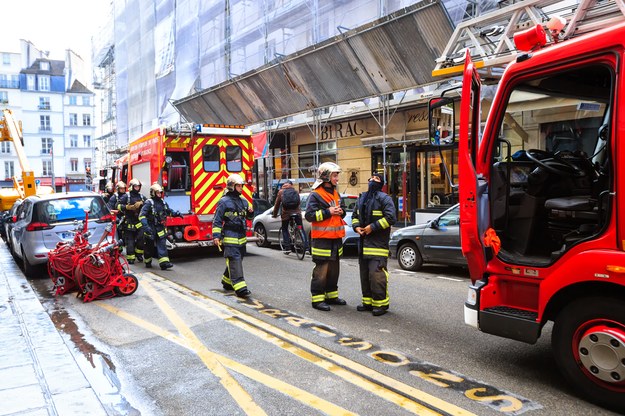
column 181, row 345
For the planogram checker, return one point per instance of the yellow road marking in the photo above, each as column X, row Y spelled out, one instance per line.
column 216, row 306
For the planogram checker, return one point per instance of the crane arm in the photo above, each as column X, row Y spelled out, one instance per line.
column 11, row 131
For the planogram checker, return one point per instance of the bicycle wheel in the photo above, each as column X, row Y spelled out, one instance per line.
column 299, row 243
column 283, row 246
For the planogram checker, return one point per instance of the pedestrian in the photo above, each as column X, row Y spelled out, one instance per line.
column 153, row 216
column 288, row 203
column 230, row 230
column 325, row 213
column 372, row 219
column 130, row 205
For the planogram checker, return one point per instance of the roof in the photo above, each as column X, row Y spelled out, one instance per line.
column 62, row 195
column 394, row 53
column 57, row 68
column 78, row 87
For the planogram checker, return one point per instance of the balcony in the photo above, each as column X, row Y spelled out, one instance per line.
column 44, row 106
column 45, row 128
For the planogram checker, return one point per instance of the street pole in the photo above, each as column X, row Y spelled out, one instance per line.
column 52, row 165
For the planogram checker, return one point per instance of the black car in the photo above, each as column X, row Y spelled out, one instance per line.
column 437, row 241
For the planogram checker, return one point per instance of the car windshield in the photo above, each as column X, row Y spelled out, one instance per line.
column 70, row 209
column 349, row 201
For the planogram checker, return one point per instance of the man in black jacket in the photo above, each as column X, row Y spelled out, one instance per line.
column 372, row 218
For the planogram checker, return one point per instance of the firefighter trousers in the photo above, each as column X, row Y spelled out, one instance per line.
column 134, row 243
column 156, row 249
column 374, row 282
column 325, row 280
column 233, row 275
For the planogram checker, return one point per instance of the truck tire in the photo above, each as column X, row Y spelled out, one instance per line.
column 409, row 258
column 588, row 342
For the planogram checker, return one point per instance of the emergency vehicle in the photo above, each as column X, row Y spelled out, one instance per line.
column 192, row 162
column 542, row 203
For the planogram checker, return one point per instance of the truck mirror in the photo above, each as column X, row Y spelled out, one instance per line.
column 441, row 118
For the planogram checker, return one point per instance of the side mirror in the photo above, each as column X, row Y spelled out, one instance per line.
column 441, row 118
column 434, row 224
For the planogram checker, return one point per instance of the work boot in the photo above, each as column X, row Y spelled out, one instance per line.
column 336, row 301
column 364, row 308
column 148, row 265
column 379, row 311
column 226, row 286
column 166, row 265
column 139, row 258
column 243, row 293
column 322, row 306
column 131, row 261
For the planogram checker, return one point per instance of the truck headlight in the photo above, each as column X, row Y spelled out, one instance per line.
column 472, row 296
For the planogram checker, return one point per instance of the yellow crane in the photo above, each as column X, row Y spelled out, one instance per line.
column 11, row 130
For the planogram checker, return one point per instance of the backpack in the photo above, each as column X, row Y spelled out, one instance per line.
column 290, row 198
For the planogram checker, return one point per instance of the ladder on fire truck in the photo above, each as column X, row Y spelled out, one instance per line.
column 489, row 37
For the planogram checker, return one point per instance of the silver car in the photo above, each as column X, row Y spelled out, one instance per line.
column 437, row 241
column 266, row 227
column 43, row 221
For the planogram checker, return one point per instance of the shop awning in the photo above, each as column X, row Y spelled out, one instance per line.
column 47, row 181
column 391, row 54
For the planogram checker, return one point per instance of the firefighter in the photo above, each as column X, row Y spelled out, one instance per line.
column 153, row 215
column 372, row 219
column 130, row 205
column 229, row 228
column 109, row 191
column 113, row 204
column 325, row 213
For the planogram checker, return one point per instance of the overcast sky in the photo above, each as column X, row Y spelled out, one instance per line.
column 52, row 25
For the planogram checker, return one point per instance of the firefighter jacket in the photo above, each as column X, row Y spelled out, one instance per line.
column 326, row 228
column 152, row 216
column 114, row 203
column 130, row 205
column 230, row 225
column 378, row 211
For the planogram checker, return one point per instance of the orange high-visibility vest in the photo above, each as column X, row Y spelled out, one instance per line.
column 333, row 227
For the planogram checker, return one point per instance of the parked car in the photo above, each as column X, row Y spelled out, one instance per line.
column 266, row 227
column 260, row 205
column 7, row 222
column 437, row 241
column 43, row 221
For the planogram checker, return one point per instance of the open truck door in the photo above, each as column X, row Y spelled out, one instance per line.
column 472, row 187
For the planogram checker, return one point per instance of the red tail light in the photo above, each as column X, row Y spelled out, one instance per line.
column 165, row 178
column 248, row 177
column 38, row 226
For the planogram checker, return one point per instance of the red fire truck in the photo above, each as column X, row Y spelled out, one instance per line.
column 192, row 162
column 541, row 204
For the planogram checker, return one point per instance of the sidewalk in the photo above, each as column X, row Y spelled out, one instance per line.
column 38, row 373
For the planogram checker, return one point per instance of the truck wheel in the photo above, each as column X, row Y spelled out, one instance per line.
column 261, row 236
column 588, row 341
column 409, row 257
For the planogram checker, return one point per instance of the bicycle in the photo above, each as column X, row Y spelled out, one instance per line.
column 297, row 236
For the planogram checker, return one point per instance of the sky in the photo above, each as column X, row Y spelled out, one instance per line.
column 52, row 25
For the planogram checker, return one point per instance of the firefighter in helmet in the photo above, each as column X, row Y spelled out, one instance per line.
column 229, row 229
column 153, row 215
column 113, row 204
column 372, row 220
column 325, row 213
column 109, row 191
column 130, row 205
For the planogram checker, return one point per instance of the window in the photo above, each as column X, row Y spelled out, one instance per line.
column 44, row 66
column 30, row 82
column 9, row 169
column 44, row 103
column 69, row 209
column 86, row 119
column 73, row 165
column 6, row 59
column 44, row 123
column 327, row 153
column 46, row 146
column 4, row 97
column 233, row 159
column 86, row 100
column 44, row 83
column 73, row 140
column 47, row 167
column 72, row 100
column 15, row 81
column 5, row 147
column 86, row 139
column 73, row 119
column 87, row 164
column 210, row 155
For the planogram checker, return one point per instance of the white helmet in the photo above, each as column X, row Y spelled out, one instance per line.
column 234, row 179
column 134, row 182
column 156, row 190
column 324, row 172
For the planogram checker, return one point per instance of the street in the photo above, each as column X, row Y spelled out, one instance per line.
column 181, row 345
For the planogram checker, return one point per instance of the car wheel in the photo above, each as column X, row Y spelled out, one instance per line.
column 261, row 236
column 29, row 269
column 409, row 257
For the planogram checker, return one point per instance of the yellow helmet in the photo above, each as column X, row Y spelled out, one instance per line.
column 156, row 189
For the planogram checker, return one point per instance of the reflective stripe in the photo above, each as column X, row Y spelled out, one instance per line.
column 239, row 285
column 341, row 251
column 216, row 230
column 321, row 252
column 372, row 251
column 332, row 295
column 161, row 233
column 235, row 241
column 163, row 260
column 377, row 213
column 226, row 280
column 326, row 229
column 318, row 298
column 141, row 217
column 319, row 215
column 383, row 223
column 138, row 225
column 380, row 303
column 355, row 221
column 366, row 301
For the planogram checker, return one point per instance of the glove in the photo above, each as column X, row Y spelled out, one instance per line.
column 148, row 234
column 138, row 204
column 130, row 207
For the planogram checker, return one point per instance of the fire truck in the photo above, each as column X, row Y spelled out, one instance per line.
column 192, row 162
column 541, row 201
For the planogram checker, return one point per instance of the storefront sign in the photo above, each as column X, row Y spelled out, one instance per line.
column 343, row 130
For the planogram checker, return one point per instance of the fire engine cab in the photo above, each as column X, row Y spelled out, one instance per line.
column 541, row 198
column 192, row 162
